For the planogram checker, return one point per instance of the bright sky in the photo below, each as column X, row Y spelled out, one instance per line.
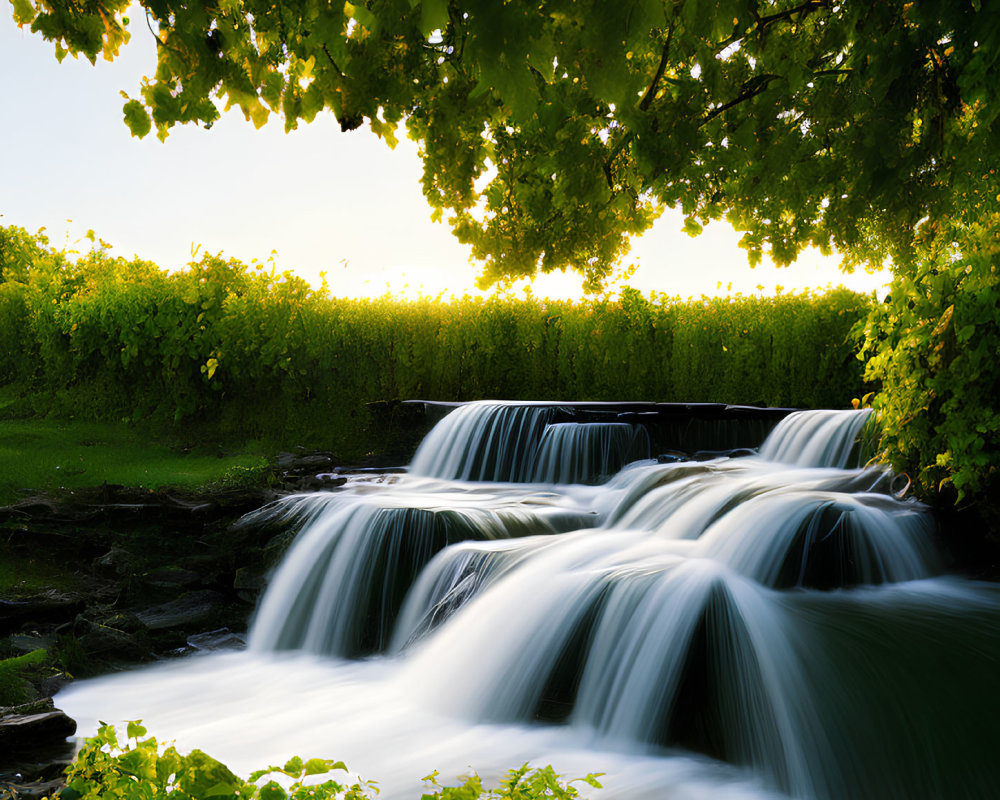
column 323, row 200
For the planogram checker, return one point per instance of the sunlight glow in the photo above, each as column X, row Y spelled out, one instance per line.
column 325, row 201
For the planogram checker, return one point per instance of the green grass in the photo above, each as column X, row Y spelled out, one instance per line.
column 26, row 575
column 47, row 454
column 13, row 689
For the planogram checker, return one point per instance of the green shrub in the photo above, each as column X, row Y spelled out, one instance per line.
column 933, row 347
column 109, row 768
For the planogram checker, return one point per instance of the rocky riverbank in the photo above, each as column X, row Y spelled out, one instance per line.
column 102, row 579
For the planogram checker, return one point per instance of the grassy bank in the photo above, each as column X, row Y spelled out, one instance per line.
column 49, row 454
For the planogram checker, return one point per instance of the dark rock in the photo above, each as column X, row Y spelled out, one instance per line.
column 33, row 790
column 172, row 576
column 736, row 452
column 45, row 607
column 34, row 750
column 249, row 583
column 53, row 683
column 41, row 706
column 117, row 561
column 33, row 731
column 105, row 643
column 187, row 610
column 221, row 639
column 29, row 642
column 314, row 483
column 305, row 462
column 125, row 622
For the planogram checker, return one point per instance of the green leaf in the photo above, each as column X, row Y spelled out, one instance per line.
column 202, row 773
column 692, row 227
column 137, row 118
column 317, row 766
column 271, row 791
column 220, row 789
column 24, row 12
column 592, row 780
column 293, row 767
column 433, row 16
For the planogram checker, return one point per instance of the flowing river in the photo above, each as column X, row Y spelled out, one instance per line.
column 779, row 625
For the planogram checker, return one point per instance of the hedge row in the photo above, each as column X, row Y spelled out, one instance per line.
column 257, row 353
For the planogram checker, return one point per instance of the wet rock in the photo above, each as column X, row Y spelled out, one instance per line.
column 167, row 577
column 186, row 611
column 24, row 729
column 314, row 483
column 736, row 452
column 45, row 607
column 305, row 462
column 221, row 639
column 249, row 583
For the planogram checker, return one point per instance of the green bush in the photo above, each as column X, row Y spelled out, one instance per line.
column 933, row 347
column 137, row 768
column 256, row 354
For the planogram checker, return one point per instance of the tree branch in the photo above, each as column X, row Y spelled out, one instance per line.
column 805, row 8
column 760, row 23
column 650, row 94
column 751, row 89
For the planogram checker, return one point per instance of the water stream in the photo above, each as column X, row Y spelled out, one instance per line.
column 771, row 626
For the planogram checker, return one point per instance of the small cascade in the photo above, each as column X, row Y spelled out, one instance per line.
column 588, row 452
column 816, row 438
column 455, row 576
column 824, row 540
column 342, row 584
column 484, row 442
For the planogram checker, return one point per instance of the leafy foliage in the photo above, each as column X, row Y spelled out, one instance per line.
column 139, row 767
column 933, row 346
column 552, row 130
column 255, row 353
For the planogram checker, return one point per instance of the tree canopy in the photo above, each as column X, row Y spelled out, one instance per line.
column 552, row 130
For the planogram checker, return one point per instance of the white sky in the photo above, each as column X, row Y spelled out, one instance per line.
column 323, row 200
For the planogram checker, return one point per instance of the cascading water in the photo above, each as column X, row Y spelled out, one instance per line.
column 582, row 452
column 815, row 438
column 340, row 587
column 519, row 442
column 483, row 442
column 748, row 628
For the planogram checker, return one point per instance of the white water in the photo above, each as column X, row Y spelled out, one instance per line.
column 791, row 620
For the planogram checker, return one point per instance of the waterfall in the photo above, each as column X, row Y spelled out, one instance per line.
column 815, row 438
column 483, row 442
column 487, row 441
column 341, row 585
column 775, row 625
column 588, row 452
